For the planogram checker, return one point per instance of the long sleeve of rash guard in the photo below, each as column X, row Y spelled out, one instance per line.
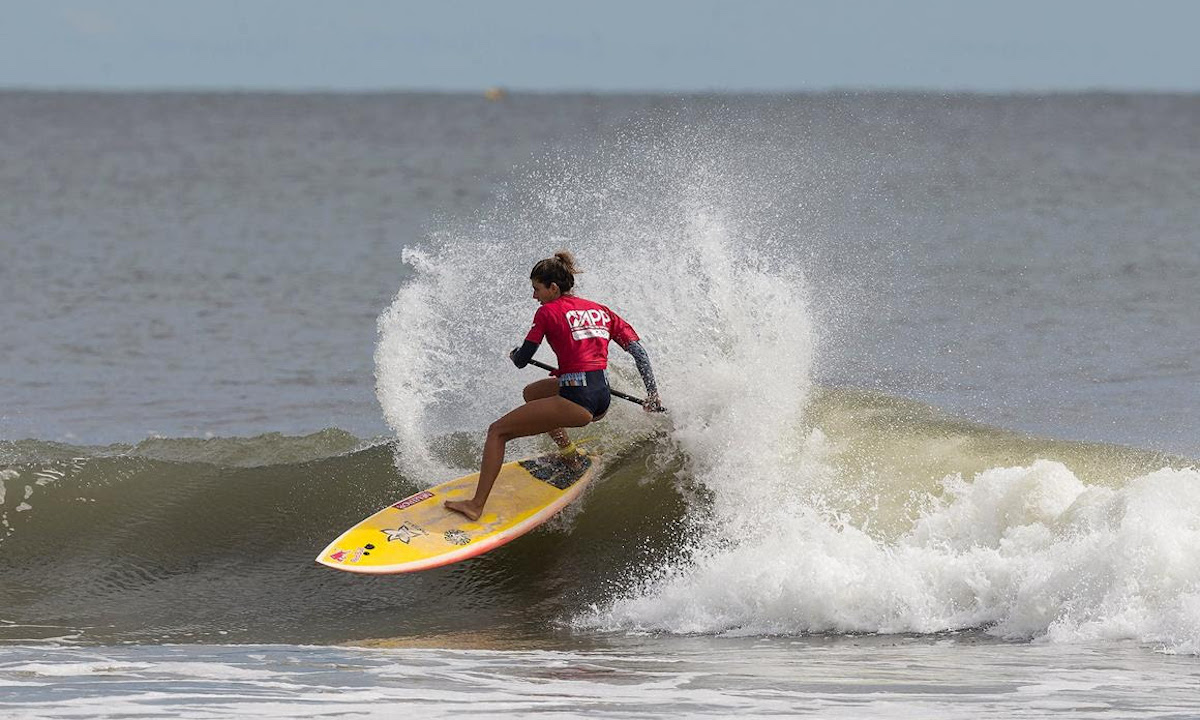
column 522, row 355
column 643, row 365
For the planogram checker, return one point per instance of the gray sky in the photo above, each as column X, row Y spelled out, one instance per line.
column 606, row 45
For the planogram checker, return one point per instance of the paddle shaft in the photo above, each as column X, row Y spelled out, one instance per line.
column 615, row 393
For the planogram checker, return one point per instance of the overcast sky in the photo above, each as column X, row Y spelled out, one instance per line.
column 602, row 45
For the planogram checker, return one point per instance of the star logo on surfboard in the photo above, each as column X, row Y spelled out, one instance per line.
column 405, row 533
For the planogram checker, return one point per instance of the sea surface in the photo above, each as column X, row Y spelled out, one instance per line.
column 932, row 444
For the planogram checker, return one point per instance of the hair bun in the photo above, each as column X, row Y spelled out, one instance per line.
column 568, row 261
column 558, row 270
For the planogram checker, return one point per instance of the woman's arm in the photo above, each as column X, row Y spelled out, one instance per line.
column 522, row 355
column 642, row 360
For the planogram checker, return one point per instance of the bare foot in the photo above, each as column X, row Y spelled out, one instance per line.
column 464, row 507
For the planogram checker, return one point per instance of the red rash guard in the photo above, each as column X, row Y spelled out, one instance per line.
column 578, row 331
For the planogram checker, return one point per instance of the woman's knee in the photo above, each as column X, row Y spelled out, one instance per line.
column 496, row 431
column 500, row 431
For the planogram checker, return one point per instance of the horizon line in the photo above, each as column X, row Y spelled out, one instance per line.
column 503, row 90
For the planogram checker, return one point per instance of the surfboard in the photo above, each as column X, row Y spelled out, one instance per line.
column 419, row 533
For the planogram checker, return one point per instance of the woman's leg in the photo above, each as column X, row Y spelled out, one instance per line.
column 541, row 389
column 536, row 416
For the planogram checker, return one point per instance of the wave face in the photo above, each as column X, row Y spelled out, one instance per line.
column 107, row 544
column 1030, row 538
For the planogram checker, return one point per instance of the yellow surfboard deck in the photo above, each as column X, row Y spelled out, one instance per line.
column 419, row 533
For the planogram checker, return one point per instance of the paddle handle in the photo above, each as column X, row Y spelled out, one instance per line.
column 615, row 393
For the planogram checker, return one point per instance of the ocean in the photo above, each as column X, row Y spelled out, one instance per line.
column 929, row 360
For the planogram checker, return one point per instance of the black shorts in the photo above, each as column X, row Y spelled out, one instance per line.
column 589, row 390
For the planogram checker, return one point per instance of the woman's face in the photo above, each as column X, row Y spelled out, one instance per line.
column 544, row 294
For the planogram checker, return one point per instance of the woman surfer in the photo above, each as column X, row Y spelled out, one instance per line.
column 578, row 331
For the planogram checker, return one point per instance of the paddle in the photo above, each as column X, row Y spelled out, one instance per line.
column 615, row 393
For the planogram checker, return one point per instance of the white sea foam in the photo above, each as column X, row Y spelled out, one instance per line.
column 1026, row 552
column 667, row 235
